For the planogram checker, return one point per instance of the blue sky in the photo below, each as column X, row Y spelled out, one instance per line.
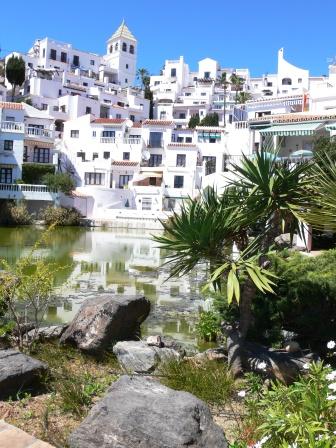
column 238, row 34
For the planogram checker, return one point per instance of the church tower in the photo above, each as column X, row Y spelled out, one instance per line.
column 121, row 55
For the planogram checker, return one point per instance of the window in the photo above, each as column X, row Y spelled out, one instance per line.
column 9, row 118
column 124, row 46
column 206, row 75
column 146, row 203
column 210, row 164
column 85, row 84
column 92, row 62
column 181, row 160
column 6, row 175
column 53, row 54
column 188, row 139
column 152, row 181
column 180, row 139
column 163, row 115
column 94, row 133
column 94, row 156
column 155, row 139
column 173, row 72
column 111, row 49
column 131, row 49
column 74, row 133
column 108, row 134
column 116, row 46
column 8, row 145
column 299, row 80
column 286, row 82
column 118, row 115
column 30, row 65
column 43, row 53
column 126, row 155
column 126, row 66
column 132, row 118
column 124, row 179
column 94, row 178
column 156, row 83
column 59, row 92
column 187, row 94
column 106, row 155
column 63, row 109
column 75, row 60
column 25, row 154
column 182, row 115
column 81, row 154
column 63, row 56
column 87, row 110
column 195, row 78
column 203, row 93
column 44, row 106
column 155, row 160
column 178, row 181
column 41, row 155
column 126, row 80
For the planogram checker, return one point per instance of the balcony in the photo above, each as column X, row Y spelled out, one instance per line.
column 38, row 132
column 132, row 141
column 155, row 144
column 11, row 126
column 27, row 192
column 106, row 140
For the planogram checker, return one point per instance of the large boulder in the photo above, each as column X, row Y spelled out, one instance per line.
column 139, row 412
column 104, row 320
column 137, row 356
column 19, row 372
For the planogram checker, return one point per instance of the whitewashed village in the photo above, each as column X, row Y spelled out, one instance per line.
column 134, row 353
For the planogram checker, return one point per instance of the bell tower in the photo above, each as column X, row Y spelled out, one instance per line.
column 121, row 55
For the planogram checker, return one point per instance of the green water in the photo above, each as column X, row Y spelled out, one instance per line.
column 121, row 262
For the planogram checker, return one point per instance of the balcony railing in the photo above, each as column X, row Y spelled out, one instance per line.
column 155, row 144
column 38, row 132
column 107, row 140
column 11, row 126
column 26, row 188
column 132, row 141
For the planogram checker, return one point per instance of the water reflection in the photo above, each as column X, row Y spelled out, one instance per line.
column 122, row 262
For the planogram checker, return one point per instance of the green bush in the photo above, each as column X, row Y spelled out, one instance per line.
column 59, row 182
column 210, row 381
column 14, row 214
column 33, row 173
column 61, row 216
column 194, row 121
column 208, row 325
column 302, row 415
column 210, row 120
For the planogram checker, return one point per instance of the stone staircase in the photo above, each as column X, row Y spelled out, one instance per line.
column 12, row 437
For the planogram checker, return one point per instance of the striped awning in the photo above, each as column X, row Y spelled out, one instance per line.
column 38, row 143
column 294, row 129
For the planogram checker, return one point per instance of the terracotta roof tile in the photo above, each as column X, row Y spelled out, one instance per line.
column 8, row 105
column 137, row 124
column 158, row 123
column 125, row 163
column 109, row 120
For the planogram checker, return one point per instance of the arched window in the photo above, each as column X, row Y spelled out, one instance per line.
column 111, row 48
column 132, row 49
column 116, row 46
column 286, row 82
column 124, row 46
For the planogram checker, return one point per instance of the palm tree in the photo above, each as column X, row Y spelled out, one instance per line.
column 225, row 83
column 143, row 76
column 238, row 83
column 243, row 97
column 205, row 231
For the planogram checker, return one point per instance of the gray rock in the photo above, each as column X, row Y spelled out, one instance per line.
column 212, row 354
column 282, row 241
column 104, row 320
column 46, row 333
column 19, row 372
column 137, row 356
column 155, row 341
column 138, row 412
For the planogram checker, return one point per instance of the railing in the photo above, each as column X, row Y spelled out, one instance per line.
column 38, row 132
column 107, row 140
column 132, row 141
column 11, row 126
column 155, row 144
column 241, row 124
column 26, row 188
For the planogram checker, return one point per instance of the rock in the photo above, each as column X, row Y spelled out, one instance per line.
column 292, row 347
column 155, row 341
column 104, row 320
column 46, row 333
column 137, row 356
column 183, row 348
column 139, row 412
column 18, row 372
column 212, row 354
column 282, row 241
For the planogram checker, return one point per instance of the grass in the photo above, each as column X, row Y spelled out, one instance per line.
column 210, row 381
column 75, row 383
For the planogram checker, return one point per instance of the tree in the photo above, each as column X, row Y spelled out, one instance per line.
column 15, row 72
column 325, row 146
column 59, row 182
column 225, row 83
column 210, row 120
column 194, row 121
column 237, row 82
column 243, row 97
column 143, row 76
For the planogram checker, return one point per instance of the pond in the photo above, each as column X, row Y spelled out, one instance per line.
column 90, row 261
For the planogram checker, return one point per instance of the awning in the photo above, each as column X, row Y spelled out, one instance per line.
column 294, row 129
column 146, row 175
column 38, row 143
column 331, row 127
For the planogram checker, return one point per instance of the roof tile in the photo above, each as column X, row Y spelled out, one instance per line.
column 158, row 123
column 109, row 120
column 9, row 105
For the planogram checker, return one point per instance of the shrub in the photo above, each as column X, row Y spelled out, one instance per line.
column 302, row 415
column 59, row 181
column 12, row 214
column 194, row 121
column 210, row 120
column 33, row 173
column 208, row 326
column 61, row 216
column 210, row 381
